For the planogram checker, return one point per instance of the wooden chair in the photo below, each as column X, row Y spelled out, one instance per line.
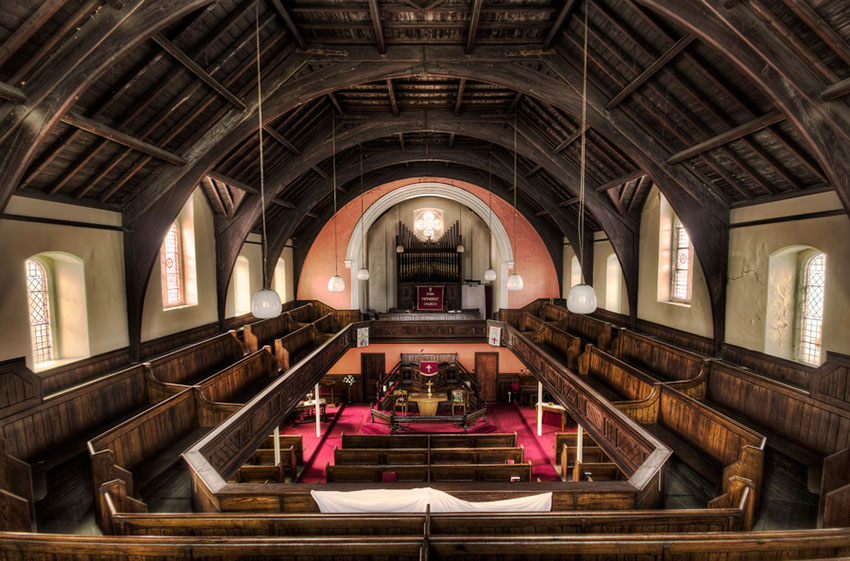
column 401, row 404
column 459, row 399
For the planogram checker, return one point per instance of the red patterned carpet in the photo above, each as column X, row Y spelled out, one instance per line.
column 355, row 419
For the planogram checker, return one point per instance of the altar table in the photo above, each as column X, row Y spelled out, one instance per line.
column 427, row 405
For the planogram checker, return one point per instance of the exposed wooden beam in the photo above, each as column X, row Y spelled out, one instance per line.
column 401, row 140
column 105, row 131
column 290, row 23
column 376, row 25
column 321, row 173
column 836, row 90
column 283, row 204
column 817, row 24
column 393, row 101
column 569, row 140
column 559, row 23
column 616, row 182
column 543, row 212
column 651, row 70
column 38, row 18
column 569, row 202
column 512, row 107
column 451, row 139
column 336, row 103
column 12, row 93
column 473, row 24
column 725, row 137
column 459, row 99
column 196, row 69
column 533, row 170
column 227, row 180
column 282, row 140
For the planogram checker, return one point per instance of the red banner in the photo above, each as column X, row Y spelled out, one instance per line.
column 428, row 367
column 429, row 298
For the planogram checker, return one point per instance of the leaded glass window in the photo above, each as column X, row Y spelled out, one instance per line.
column 172, row 269
column 680, row 270
column 811, row 321
column 39, row 306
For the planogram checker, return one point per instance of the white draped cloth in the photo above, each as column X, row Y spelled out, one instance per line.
column 415, row 500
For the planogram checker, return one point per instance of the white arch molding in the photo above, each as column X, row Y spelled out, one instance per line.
column 353, row 253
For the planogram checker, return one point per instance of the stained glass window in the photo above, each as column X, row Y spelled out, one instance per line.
column 680, row 270
column 428, row 223
column 39, row 307
column 811, row 324
column 172, row 269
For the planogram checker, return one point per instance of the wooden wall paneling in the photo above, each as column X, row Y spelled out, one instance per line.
column 20, row 388
column 831, row 380
column 229, row 385
column 195, row 362
column 68, row 375
column 779, row 369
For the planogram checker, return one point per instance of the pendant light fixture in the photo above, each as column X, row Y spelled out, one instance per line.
column 460, row 248
column 336, row 283
column 490, row 274
column 582, row 298
column 363, row 272
column 515, row 281
column 266, row 302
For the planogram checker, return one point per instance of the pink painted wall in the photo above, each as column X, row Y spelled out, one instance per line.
column 350, row 361
column 532, row 259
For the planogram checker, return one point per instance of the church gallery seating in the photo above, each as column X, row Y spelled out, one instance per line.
column 293, row 347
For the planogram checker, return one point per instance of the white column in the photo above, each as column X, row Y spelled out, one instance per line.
column 318, row 413
column 276, row 445
column 580, row 445
column 539, row 409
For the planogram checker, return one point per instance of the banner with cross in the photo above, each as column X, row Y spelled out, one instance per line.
column 495, row 336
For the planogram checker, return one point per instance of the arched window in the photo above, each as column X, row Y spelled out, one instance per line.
column 280, row 279
column 242, row 285
column 811, row 308
column 613, row 284
column 38, row 297
column 575, row 271
column 171, row 258
column 680, row 267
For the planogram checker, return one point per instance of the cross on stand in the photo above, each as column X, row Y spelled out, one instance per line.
column 429, row 384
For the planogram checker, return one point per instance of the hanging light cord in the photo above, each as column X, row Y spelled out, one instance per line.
column 362, row 222
column 516, row 188
column 333, row 164
column 262, row 166
column 581, row 193
column 490, row 205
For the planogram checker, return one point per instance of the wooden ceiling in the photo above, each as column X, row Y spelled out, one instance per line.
column 169, row 98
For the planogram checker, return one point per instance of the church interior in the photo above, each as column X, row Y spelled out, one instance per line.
column 424, row 279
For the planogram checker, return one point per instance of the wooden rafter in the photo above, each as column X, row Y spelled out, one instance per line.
column 559, row 23
column 474, row 18
column 196, row 69
column 401, row 140
column 651, row 70
column 459, row 98
column 393, row 102
column 33, row 23
column 336, row 103
column 817, row 24
column 12, row 93
column 567, row 141
column 105, row 131
column 289, row 23
column 836, row 90
column 377, row 26
column 740, row 131
column 616, row 182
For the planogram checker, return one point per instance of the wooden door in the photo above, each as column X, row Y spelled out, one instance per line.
column 372, row 366
column 487, row 368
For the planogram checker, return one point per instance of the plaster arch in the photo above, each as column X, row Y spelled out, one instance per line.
column 353, row 253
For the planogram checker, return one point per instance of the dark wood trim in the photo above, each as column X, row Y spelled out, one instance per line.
column 559, row 23
column 740, row 131
column 290, row 24
column 793, row 218
column 377, row 26
column 11, row 93
column 393, row 101
column 836, row 90
column 474, row 18
column 617, row 181
column 59, row 222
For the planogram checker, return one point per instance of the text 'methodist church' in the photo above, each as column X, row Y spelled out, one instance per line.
column 424, row 279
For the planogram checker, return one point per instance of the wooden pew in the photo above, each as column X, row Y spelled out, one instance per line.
column 261, row 473
column 551, row 313
column 303, row 315
column 86, row 410
column 623, row 379
column 17, row 503
column 384, row 441
column 835, row 490
column 239, row 382
column 559, row 343
column 326, row 324
column 175, row 371
column 144, row 446
column 528, row 322
column 487, row 440
column 480, row 472
column 375, row 473
column 380, row 456
column 341, row 317
column 599, row 333
column 265, row 457
column 661, row 360
column 291, row 348
column 265, row 331
column 426, row 473
column 286, row 440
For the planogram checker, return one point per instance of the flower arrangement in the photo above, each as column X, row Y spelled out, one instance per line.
column 348, row 380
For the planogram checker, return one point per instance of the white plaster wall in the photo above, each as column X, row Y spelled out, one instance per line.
column 102, row 253
column 694, row 318
column 252, row 250
column 602, row 248
column 157, row 322
column 750, row 249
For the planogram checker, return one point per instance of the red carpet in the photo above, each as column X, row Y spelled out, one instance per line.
column 355, row 419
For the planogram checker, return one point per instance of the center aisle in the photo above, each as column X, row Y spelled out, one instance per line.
column 355, row 419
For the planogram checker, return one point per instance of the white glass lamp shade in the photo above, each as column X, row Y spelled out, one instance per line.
column 266, row 304
column 489, row 275
column 399, row 248
column 515, row 282
column 460, row 248
column 363, row 274
column 581, row 299
column 336, row 284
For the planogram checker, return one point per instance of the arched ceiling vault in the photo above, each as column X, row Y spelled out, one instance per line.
column 132, row 105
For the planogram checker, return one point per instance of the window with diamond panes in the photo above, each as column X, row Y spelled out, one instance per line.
column 811, row 324
column 680, row 270
column 172, row 269
column 39, row 307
